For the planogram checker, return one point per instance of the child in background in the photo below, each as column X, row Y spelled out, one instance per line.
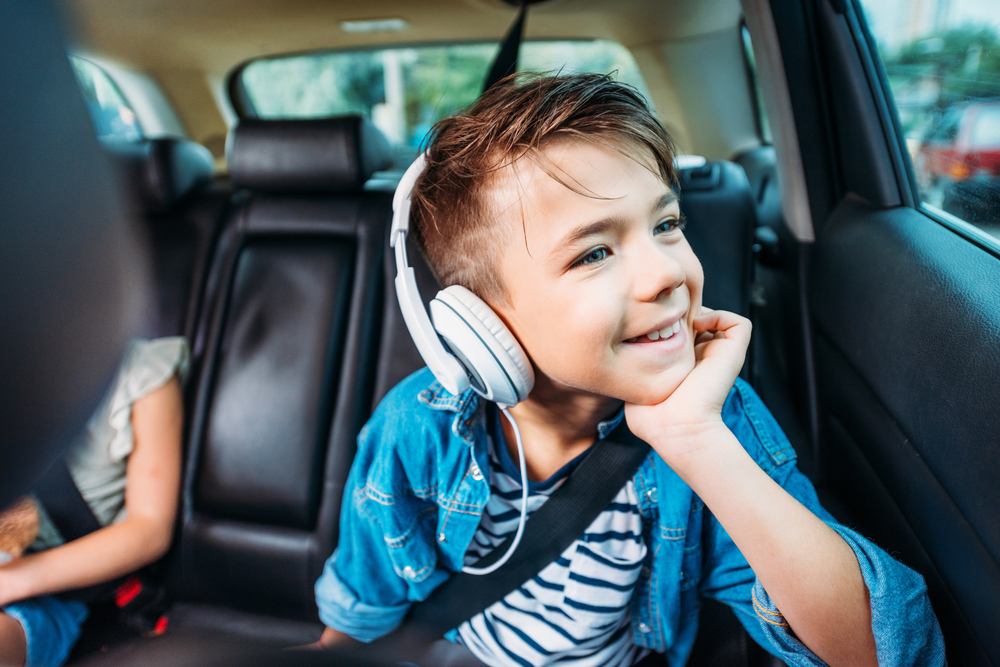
column 127, row 467
column 551, row 200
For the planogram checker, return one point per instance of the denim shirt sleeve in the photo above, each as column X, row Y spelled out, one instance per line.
column 903, row 622
column 354, row 594
column 385, row 558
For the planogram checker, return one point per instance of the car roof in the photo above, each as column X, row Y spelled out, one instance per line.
column 215, row 35
column 690, row 55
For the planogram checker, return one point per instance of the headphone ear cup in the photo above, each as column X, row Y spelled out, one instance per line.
column 497, row 365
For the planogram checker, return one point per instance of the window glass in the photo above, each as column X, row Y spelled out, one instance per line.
column 405, row 91
column 942, row 58
column 113, row 117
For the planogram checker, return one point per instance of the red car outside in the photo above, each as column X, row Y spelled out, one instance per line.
column 958, row 163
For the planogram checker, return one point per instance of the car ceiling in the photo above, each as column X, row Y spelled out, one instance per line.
column 187, row 46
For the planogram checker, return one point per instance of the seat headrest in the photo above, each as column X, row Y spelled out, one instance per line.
column 314, row 155
column 162, row 171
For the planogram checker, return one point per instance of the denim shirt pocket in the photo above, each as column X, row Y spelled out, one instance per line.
column 408, row 531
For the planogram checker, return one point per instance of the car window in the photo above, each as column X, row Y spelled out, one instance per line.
column 113, row 117
column 406, row 90
column 942, row 60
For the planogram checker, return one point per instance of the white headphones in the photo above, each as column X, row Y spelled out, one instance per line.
column 468, row 343
column 481, row 351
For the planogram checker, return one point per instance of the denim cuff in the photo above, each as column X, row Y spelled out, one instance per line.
column 340, row 609
column 903, row 623
column 774, row 626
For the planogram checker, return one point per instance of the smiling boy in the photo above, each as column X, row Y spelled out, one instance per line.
column 550, row 199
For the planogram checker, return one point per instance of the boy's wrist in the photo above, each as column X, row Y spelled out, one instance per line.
column 689, row 446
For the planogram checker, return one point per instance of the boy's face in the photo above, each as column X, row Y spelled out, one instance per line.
column 597, row 286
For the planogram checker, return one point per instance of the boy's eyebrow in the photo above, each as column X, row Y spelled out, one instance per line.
column 593, row 229
column 665, row 200
column 603, row 226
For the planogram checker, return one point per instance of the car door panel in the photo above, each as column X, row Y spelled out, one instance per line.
column 901, row 338
column 906, row 317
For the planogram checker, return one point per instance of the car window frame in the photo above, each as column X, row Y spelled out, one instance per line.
column 761, row 120
column 110, row 80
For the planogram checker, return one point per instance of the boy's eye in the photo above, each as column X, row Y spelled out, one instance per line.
column 670, row 224
column 592, row 257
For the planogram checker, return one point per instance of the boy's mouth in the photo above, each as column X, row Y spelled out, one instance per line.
column 665, row 333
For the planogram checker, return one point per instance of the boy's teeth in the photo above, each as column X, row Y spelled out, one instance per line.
column 665, row 332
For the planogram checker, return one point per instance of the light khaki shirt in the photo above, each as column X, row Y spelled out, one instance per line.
column 98, row 460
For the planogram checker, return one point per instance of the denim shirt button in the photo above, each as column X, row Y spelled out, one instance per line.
column 654, row 497
column 477, row 474
column 644, row 628
column 408, row 572
column 441, row 537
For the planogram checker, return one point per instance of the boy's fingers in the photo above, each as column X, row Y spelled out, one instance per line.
column 719, row 324
column 718, row 320
column 705, row 337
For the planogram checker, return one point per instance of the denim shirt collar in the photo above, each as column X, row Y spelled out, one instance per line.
column 439, row 398
column 609, row 425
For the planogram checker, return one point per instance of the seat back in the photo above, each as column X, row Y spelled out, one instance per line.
column 169, row 185
column 287, row 335
column 719, row 206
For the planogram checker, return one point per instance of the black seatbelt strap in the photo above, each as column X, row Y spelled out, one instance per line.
column 563, row 518
column 505, row 62
column 61, row 500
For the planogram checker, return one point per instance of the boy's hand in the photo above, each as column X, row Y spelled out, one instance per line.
column 676, row 425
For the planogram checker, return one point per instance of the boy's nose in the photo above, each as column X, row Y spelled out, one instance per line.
column 659, row 274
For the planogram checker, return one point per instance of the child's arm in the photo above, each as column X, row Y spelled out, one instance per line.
column 144, row 535
column 808, row 570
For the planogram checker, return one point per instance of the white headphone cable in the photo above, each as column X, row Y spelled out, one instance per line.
column 524, row 502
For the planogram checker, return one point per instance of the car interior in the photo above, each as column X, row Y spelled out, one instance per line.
column 258, row 230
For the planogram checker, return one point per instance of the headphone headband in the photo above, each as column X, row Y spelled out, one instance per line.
column 401, row 199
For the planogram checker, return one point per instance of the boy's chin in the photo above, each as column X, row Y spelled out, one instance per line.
column 647, row 397
column 656, row 389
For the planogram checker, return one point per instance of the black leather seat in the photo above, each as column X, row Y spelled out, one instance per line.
column 170, row 188
column 69, row 271
column 290, row 314
column 718, row 204
column 285, row 349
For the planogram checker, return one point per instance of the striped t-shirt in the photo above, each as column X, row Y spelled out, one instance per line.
column 576, row 610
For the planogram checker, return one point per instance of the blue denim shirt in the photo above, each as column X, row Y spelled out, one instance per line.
column 420, row 481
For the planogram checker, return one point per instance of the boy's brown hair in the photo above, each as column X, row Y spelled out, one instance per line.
column 453, row 219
